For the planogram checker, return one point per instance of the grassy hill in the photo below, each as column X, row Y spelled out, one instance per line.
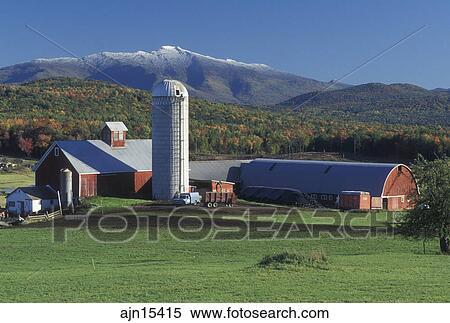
column 375, row 102
column 33, row 115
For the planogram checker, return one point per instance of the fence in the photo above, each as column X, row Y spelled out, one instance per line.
column 43, row 217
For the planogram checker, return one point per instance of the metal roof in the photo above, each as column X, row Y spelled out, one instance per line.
column 224, row 170
column 317, row 176
column 169, row 88
column 115, row 126
column 38, row 192
column 96, row 156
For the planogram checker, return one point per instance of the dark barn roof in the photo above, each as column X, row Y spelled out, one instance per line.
column 317, row 176
column 38, row 192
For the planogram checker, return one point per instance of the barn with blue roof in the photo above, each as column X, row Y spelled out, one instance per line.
column 391, row 186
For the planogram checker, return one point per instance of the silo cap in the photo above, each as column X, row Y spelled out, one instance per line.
column 170, row 88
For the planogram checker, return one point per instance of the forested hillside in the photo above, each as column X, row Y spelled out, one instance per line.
column 34, row 114
column 376, row 102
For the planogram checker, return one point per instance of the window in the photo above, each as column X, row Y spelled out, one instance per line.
column 116, row 136
column 403, row 199
column 121, row 135
column 11, row 204
column 56, row 151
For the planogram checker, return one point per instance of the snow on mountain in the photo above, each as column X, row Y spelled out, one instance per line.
column 215, row 79
column 166, row 55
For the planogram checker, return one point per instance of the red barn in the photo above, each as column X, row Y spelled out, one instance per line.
column 391, row 186
column 111, row 166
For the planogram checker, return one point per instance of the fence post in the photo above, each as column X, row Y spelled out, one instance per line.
column 59, row 201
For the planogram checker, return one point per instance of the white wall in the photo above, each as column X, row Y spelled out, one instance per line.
column 30, row 205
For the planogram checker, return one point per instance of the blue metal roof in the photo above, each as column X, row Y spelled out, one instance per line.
column 317, row 176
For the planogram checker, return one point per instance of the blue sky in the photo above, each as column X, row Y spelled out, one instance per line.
column 318, row 39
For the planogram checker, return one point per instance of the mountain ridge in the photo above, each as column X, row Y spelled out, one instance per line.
column 206, row 77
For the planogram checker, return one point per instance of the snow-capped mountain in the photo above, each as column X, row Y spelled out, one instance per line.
column 206, row 77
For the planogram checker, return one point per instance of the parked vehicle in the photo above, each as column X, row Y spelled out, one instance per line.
column 192, row 198
column 215, row 199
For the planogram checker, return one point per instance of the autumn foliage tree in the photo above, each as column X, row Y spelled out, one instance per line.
column 26, row 145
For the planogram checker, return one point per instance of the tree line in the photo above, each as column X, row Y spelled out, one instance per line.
column 33, row 115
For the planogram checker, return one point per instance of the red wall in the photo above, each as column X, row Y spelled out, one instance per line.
column 226, row 187
column 354, row 202
column 108, row 137
column 400, row 183
column 48, row 172
column 88, row 185
column 143, row 183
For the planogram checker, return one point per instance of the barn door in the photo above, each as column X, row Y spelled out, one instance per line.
column 88, row 186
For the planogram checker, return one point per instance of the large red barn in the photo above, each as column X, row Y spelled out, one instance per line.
column 391, row 186
column 111, row 166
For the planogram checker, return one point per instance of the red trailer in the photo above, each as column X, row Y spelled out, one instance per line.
column 354, row 200
column 215, row 199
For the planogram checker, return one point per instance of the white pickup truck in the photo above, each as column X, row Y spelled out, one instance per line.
column 192, row 198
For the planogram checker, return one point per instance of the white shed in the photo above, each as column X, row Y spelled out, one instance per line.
column 32, row 199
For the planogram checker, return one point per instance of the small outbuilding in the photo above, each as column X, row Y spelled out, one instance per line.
column 32, row 200
column 354, row 200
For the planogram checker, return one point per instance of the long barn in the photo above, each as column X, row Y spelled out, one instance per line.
column 391, row 186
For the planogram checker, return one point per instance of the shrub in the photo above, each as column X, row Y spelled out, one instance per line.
column 315, row 259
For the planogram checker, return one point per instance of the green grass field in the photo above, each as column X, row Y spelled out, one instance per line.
column 381, row 269
column 105, row 204
column 377, row 269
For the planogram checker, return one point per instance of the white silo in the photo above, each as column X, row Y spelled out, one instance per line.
column 170, row 140
column 65, row 184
